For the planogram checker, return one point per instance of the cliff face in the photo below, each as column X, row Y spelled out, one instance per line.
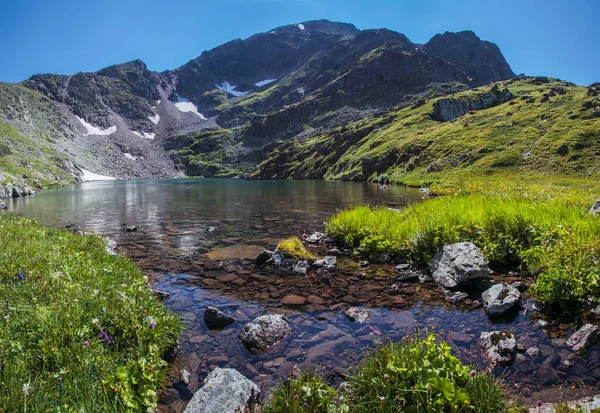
column 223, row 113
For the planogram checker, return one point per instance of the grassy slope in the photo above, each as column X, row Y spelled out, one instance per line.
column 72, row 290
column 29, row 126
column 409, row 146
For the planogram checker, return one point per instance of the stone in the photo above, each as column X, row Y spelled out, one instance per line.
column 533, row 351
column 224, row 391
column 458, row 264
column 184, row 376
column 333, row 251
column 363, row 264
column 264, row 331
column 500, row 298
column 456, row 297
column 301, row 268
column 214, row 318
column 111, row 245
column 595, row 209
column 293, row 299
column 263, row 257
column 381, row 258
column 499, row 347
column 586, row 336
column 315, row 238
column 328, row 263
column 313, row 299
column 131, row 228
column 357, row 314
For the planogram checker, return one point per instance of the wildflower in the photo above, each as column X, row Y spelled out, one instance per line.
column 539, row 403
column 25, row 389
column 20, row 213
column 305, row 405
column 473, row 373
column 386, row 377
column 151, row 326
column 381, row 398
column 86, row 343
column 296, row 397
column 105, row 337
column 137, row 326
column 95, row 321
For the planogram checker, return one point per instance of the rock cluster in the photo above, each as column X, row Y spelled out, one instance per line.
column 447, row 109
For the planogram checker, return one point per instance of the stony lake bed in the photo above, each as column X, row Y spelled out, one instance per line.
column 197, row 241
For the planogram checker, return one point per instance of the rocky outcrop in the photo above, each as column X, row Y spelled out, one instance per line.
column 447, row 109
column 264, row 331
column 224, row 391
column 595, row 209
column 458, row 264
column 586, row 336
column 500, row 298
column 214, row 318
column 499, row 347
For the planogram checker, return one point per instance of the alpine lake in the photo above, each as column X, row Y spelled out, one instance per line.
column 197, row 239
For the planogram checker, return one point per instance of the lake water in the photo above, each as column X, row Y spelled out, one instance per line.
column 196, row 239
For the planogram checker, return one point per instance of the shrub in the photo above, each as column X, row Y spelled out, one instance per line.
column 294, row 248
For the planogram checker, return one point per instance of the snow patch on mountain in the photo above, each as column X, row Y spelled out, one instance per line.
column 185, row 105
column 229, row 88
column 90, row 176
column 154, row 119
column 301, row 26
column 264, row 82
column 144, row 135
column 94, row 130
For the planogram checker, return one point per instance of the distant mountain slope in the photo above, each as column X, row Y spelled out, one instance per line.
column 223, row 113
column 522, row 125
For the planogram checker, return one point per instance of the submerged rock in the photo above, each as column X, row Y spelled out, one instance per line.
column 458, row 264
column 499, row 347
column 357, row 314
column 214, row 318
column 328, row 262
column 264, row 331
column 224, row 391
column 586, row 336
column 263, row 257
column 500, row 298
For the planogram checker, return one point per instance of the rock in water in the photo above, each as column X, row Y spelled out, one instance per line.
column 224, row 391
column 264, row 331
column 499, row 347
column 586, row 336
column 328, row 262
column 457, row 264
column 315, row 238
column 357, row 314
column 301, row 268
column 263, row 257
column 215, row 318
column 500, row 298
column 595, row 210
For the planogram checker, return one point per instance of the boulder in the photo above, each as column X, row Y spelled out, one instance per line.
column 224, row 391
column 500, row 298
column 499, row 347
column 184, row 377
column 301, row 268
column 131, row 228
column 328, row 262
column 286, row 265
column 214, row 318
column 357, row 314
column 458, row 264
column 263, row 257
column 264, row 331
column 586, row 336
column 315, row 238
column 595, row 209
column 111, row 246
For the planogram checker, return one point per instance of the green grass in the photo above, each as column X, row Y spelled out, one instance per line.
column 294, row 248
column 556, row 241
column 415, row 375
column 59, row 292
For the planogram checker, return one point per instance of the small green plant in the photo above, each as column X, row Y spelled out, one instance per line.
column 294, row 248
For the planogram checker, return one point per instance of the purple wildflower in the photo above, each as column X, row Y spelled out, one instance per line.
column 105, row 337
column 305, row 405
column 151, row 326
column 296, row 397
column 86, row 343
column 473, row 373
column 20, row 213
column 539, row 403
column 386, row 377
column 137, row 326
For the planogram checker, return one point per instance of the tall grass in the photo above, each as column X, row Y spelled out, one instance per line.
column 514, row 232
column 80, row 331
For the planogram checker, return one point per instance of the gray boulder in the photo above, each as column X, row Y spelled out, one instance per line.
column 215, row 318
column 264, row 331
column 458, row 264
column 224, row 391
column 329, row 262
column 595, row 209
column 500, row 298
column 499, row 347
column 586, row 336
column 357, row 314
column 301, row 268
column 315, row 238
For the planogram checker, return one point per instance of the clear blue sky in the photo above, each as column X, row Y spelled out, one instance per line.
column 559, row 38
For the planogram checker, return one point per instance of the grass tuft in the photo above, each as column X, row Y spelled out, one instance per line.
column 294, row 248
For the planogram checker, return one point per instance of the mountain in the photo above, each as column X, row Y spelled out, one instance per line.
column 233, row 110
